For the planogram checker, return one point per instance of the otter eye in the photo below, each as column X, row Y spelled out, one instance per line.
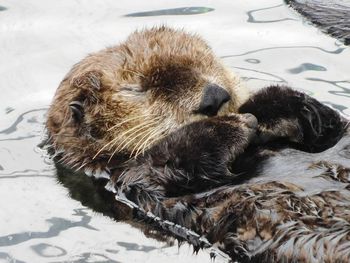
column 77, row 110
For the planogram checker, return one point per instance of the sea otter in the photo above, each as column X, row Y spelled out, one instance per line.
column 117, row 102
column 173, row 132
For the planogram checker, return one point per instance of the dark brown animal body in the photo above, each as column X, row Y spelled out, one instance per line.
column 175, row 147
column 287, row 205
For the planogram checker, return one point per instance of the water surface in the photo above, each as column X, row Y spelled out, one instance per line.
column 263, row 41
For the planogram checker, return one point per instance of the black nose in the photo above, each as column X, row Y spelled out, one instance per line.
column 213, row 98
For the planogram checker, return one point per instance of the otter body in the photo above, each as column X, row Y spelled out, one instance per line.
column 167, row 131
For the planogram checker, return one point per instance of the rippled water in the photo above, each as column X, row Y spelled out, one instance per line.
column 264, row 41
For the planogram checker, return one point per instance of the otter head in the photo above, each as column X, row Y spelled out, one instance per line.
column 118, row 102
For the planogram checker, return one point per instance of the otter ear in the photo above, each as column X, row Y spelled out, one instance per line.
column 89, row 85
column 77, row 110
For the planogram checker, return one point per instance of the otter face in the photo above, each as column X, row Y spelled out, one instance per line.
column 118, row 102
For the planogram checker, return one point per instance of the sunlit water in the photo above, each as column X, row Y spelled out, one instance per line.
column 264, row 41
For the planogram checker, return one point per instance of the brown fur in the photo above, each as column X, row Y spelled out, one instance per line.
column 136, row 104
column 133, row 94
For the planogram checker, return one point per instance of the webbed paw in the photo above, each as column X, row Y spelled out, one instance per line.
column 294, row 116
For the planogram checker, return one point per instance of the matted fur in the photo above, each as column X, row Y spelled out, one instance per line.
column 129, row 115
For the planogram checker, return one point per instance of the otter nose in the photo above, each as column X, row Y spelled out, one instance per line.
column 213, row 98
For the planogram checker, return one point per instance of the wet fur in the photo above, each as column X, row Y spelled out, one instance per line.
column 252, row 214
column 227, row 178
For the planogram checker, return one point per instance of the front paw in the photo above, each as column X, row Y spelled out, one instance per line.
column 322, row 126
column 192, row 159
column 294, row 116
column 228, row 135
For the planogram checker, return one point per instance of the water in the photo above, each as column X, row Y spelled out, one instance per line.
column 264, row 41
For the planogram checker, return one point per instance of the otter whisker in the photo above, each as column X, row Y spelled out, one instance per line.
column 146, row 122
column 136, row 147
column 137, row 128
column 128, row 120
column 141, row 143
column 70, row 162
column 82, row 166
column 151, row 137
column 130, row 135
column 123, row 145
column 156, row 137
column 116, row 139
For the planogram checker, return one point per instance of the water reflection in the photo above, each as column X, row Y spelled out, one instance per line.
column 57, row 226
column 252, row 19
column 91, row 257
column 19, row 119
column 136, row 247
column 174, row 11
column 344, row 85
column 8, row 258
column 306, row 66
column 48, row 251
column 336, row 51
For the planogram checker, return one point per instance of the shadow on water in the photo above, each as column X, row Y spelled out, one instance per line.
column 193, row 10
column 7, row 257
column 252, row 19
column 48, row 251
column 91, row 257
column 19, row 119
column 306, row 66
column 2, row 8
column 57, row 226
column 136, row 247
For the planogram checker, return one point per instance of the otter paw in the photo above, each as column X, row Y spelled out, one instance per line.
column 226, row 135
column 241, row 130
column 284, row 113
column 194, row 158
